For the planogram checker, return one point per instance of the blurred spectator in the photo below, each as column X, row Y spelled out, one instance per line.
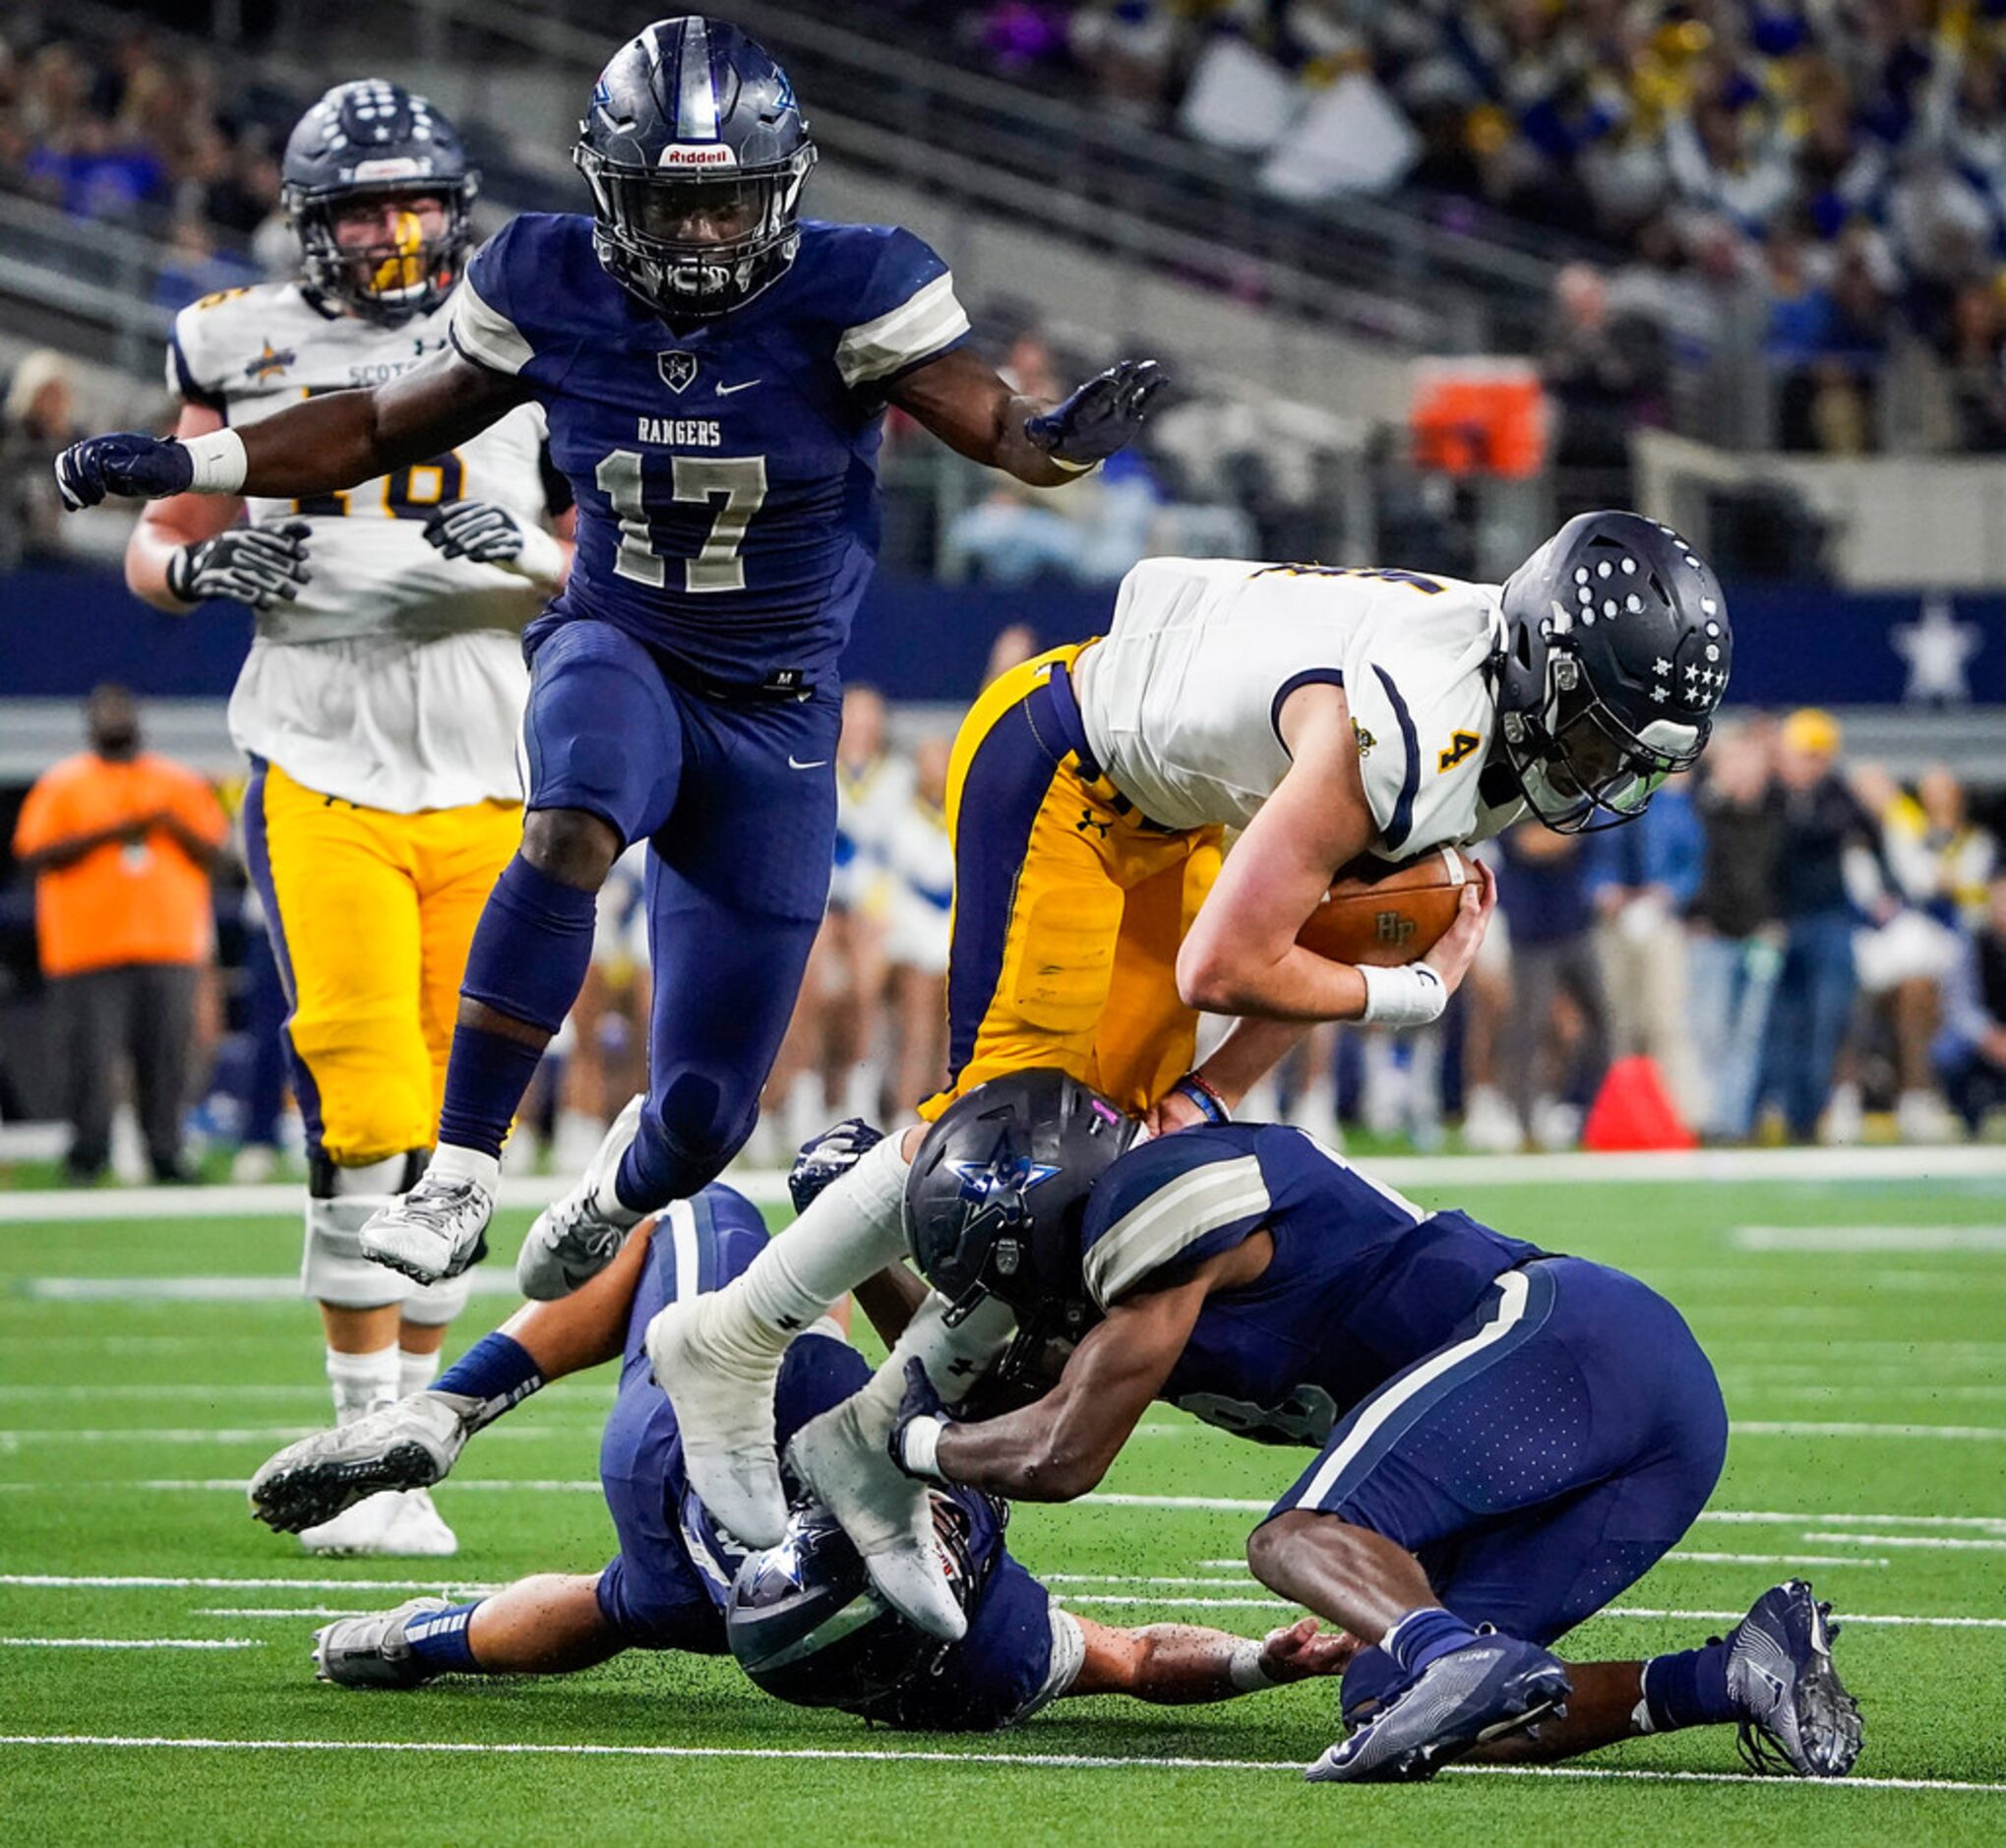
column 1606, row 372
column 36, row 423
column 1971, row 1051
column 1976, row 375
column 1820, row 819
column 1014, row 645
column 1734, row 948
column 1557, row 1041
column 920, row 858
column 1641, row 878
column 120, row 843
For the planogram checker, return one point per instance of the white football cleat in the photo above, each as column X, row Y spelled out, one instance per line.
column 357, row 1531
column 576, row 1237
column 417, row 1530
column 724, row 1411
column 840, row 1463
column 373, row 1651
column 410, row 1445
column 435, row 1231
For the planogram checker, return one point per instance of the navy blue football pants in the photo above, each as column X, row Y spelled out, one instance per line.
column 737, row 801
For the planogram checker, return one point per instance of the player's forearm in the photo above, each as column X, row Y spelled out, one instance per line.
column 1046, row 1452
column 1016, row 455
column 1298, row 987
column 1183, row 1664
column 147, row 556
column 1250, row 1050
column 322, row 444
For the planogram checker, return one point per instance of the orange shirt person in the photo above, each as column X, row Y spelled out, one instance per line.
column 120, row 843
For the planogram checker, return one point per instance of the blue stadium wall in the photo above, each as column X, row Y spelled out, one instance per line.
column 62, row 630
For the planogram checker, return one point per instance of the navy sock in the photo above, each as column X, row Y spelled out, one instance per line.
column 1423, row 1634
column 528, row 959
column 1689, row 1688
column 438, row 1641
column 497, row 1371
column 485, row 1081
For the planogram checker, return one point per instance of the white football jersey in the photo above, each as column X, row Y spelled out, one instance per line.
column 1181, row 699
column 396, row 680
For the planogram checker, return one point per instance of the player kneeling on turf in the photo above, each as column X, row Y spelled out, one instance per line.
column 1507, row 1437
column 802, row 1619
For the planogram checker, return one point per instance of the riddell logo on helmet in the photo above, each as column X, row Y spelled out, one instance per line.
column 683, row 154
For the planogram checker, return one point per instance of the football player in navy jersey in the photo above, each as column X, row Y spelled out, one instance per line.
column 801, row 1620
column 1507, row 1437
column 714, row 372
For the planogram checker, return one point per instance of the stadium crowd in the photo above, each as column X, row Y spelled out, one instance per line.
column 1796, row 943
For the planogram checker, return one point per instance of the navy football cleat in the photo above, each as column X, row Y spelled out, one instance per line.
column 1486, row 1690
column 1794, row 1712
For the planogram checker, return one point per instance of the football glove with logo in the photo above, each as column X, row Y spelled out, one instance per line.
column 916, row 1432
column 1104, row 415
column 125, row 462
column 257, row 566
column 828, row 1157
column 487, row 534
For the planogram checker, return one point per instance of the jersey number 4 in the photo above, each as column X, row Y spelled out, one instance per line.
column 736, row 485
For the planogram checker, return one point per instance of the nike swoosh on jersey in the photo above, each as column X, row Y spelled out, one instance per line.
column 725, row 390
column 794, row 763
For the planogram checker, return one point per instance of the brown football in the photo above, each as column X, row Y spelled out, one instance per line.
column 1383, row 914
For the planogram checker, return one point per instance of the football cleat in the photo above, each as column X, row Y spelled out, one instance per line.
column 358, row 1531
column 373, row 1651
column 576, row 1237
column 1794, row 1712
column 889, row 1516
column 417, row 1530
column 410, row 1445
column 1486, row 1690
column 435, row 1231
column 724, row 1412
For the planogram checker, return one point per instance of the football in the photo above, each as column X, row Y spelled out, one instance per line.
column 1384, row 913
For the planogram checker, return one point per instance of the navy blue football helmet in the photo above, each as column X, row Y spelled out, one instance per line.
column 993, row 1201
column 695, row 152
column 372, row 139
column 1616, row 651
column 808, row 1626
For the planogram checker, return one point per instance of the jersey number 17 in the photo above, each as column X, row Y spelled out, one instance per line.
column 736, row 485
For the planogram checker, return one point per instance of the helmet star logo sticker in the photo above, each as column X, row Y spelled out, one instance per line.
column 999, row 1183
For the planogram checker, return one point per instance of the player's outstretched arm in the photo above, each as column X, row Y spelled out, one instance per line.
column 317, row 447
column 1179, row 1664
column 967, row 403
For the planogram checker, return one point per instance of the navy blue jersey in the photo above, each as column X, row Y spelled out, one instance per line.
column 725, row 470
column 669, row 1585
column 1362, row 1284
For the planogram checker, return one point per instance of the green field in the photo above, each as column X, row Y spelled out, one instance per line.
column 1857, row 1323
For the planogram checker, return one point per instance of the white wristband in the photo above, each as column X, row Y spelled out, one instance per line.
column 542, row 557
column 1246, row 1670
column 1411, row 996
column 920, row 1446
column 220, row 462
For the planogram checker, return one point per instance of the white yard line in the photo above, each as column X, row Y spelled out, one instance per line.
column 136, row 1581
column 1869, row 1238
column 11, row 1438
column 1794, row 1427
column 1037, row 1760
column 1826, row 1167
column 130, row 1642
column 1940, row 1543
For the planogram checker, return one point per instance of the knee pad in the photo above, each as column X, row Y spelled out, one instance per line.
column 332, row 1269
column 433, row 1305
column 687, row 1142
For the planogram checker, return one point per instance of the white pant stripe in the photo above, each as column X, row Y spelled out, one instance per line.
column 682, row 1218
column 1514, row 1287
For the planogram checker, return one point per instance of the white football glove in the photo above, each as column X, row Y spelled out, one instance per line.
column 487, row 534
column 257, row 566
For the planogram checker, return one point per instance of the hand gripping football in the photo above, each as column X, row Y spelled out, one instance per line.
column 1382, row 915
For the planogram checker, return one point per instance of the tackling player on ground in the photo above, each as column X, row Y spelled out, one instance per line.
column 1508, row 1437
column 715, row 373
column 379, row 704
column 803, row 1620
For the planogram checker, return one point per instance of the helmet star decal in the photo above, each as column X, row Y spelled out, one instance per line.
column 999, row 1183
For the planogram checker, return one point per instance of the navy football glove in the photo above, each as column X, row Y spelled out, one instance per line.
column 829, row 1157
column 258, row 565
column 476, row 530
column 916, row 1431
column 140, row 467
column 1103, row 415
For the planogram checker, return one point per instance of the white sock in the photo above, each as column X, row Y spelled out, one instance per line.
column 415, row 1371
column 852, row 1229
column 955, row 1357
column 466, row 1164
column 362, row 1383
